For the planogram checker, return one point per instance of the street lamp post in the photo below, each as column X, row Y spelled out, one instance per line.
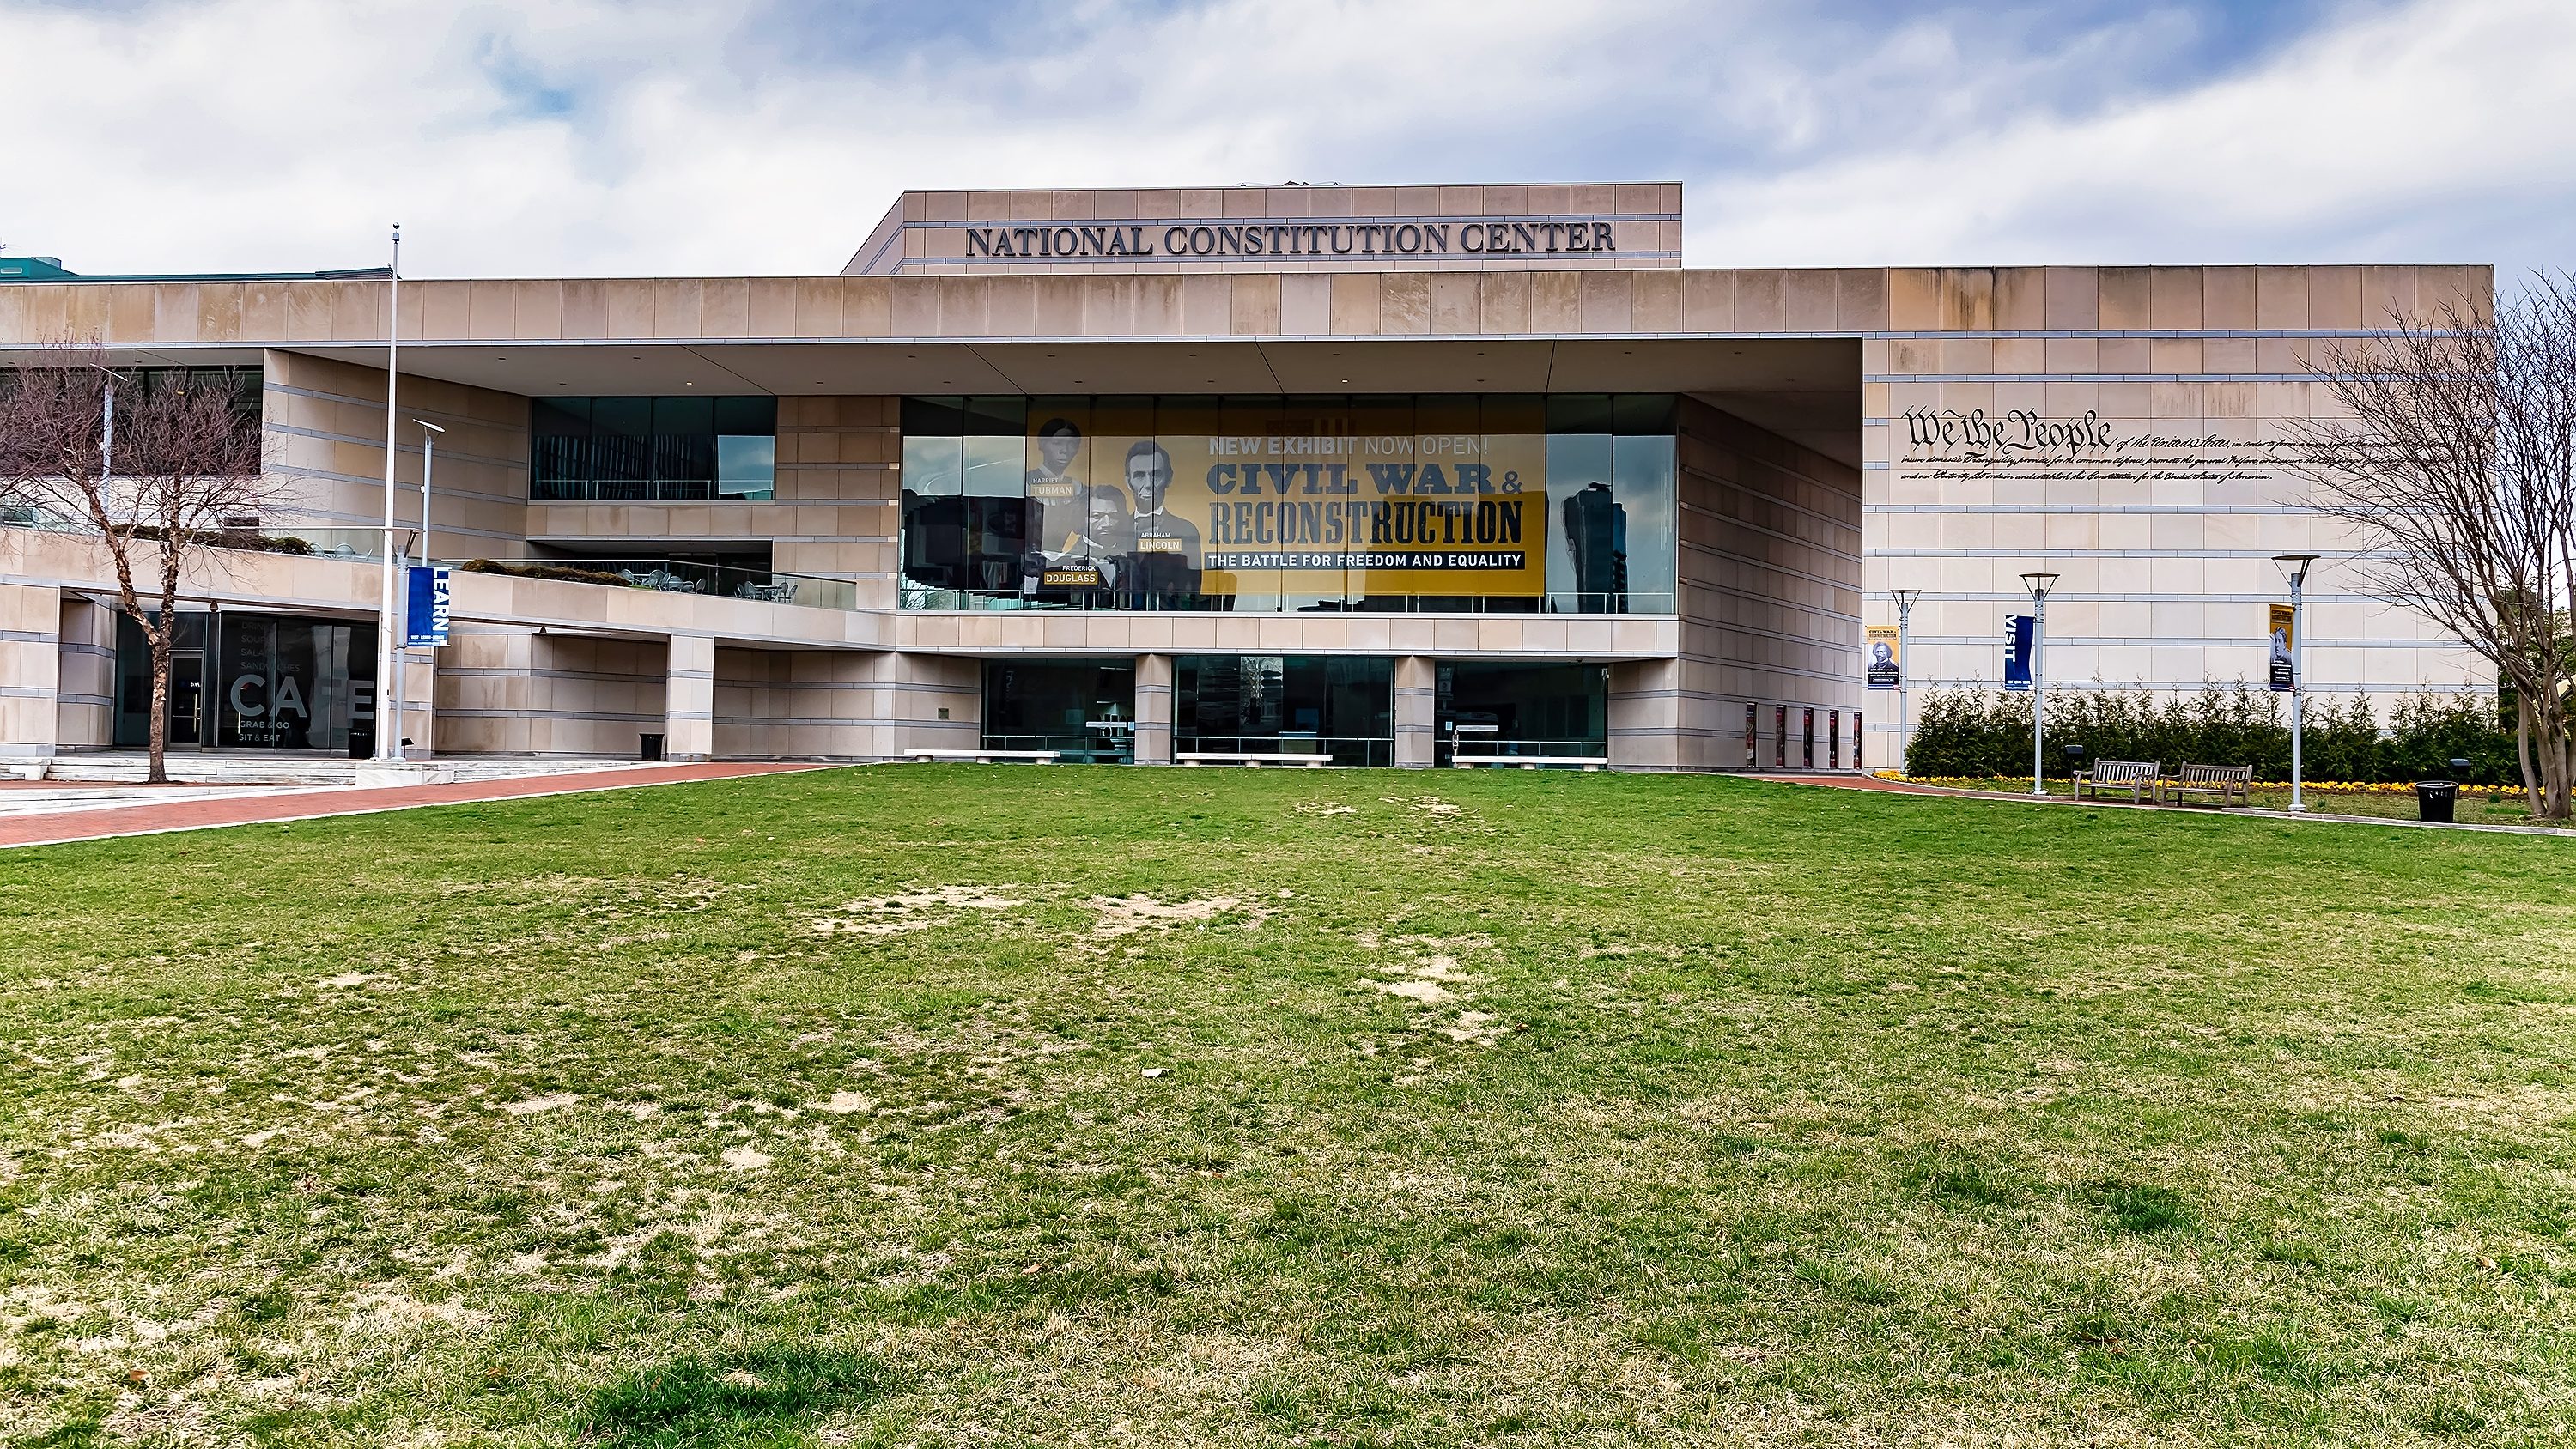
column 428, row 459
column 2039, row 585
column 2296, row 565
column 388, row 665
column 106, row 428
column 402, row 656
column 1904, row 672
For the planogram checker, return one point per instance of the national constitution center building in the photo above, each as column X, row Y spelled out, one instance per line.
column 1385, row 475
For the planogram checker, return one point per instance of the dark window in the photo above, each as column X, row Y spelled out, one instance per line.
column 674, row 448
column 1560, row 710
column 1083, row 711
column 1404, row 503
column 1291, row 705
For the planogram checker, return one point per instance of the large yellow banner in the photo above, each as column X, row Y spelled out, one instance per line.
column 1283, row 501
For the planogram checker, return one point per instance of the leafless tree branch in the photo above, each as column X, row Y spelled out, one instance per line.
column 156, row 479
column 2457, row 461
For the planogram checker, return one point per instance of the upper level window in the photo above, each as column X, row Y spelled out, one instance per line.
column 1424, row 503
column 654, row 447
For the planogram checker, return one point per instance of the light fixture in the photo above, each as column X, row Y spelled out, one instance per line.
column 2295, row 566
column 2039, row 583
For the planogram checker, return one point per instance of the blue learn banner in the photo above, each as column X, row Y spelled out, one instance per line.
column 425, row 609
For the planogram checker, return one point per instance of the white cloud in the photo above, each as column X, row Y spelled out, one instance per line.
column 578, row 136
column 2429, row 134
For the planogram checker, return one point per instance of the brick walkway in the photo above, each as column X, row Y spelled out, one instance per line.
column 91, row 822
column 1858, row 782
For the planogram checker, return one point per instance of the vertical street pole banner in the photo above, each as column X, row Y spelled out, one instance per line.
column 2285, row 670
column 425, row 609
column 1886, row 668
column 2017, row 635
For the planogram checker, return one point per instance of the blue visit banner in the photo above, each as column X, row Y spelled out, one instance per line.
column 425, row 608
column 2017, row 652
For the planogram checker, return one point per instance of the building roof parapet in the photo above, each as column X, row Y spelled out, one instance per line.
column 1908, row 307
column 51, row 269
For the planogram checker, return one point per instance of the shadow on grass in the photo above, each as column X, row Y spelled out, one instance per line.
column 2143, row 1208
column 738, row 1398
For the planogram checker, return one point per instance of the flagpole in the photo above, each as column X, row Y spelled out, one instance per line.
column 388, row 689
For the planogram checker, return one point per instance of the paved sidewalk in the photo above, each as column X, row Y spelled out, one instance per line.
column 1901, row 787
column 90, row 820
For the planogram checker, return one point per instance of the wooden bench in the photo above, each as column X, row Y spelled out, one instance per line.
column 984, row 757
column 2227, row 782
column 2138, row 777
column 1531, row 762
column 1249, row 759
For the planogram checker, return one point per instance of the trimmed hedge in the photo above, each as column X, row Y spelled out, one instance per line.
column 1960, row 733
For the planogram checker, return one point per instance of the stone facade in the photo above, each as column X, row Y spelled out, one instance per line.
column 1847, row 431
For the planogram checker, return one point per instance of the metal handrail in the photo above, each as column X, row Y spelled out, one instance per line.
column 678, row 576
column 924, row 598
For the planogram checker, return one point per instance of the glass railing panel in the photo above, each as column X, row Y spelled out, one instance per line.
column 680, row 576
column 1098, row 748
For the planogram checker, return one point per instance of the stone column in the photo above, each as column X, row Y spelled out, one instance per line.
column 1646, row 723
column 420, row 703
column 689, row 699
column 1417, row 706
column 30, row 670
column 86, row 717
column 1153, row 709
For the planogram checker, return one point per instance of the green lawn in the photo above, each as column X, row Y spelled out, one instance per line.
column 938, row 1105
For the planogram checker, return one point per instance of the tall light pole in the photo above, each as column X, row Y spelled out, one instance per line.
column 428, row 460
column 2296, row 565
column 2039, row 584
column 1904, row 672
column 402, row 677
column 389, row 727
column 106, row 428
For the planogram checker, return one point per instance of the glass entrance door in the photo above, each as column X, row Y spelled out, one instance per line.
column 187, row 698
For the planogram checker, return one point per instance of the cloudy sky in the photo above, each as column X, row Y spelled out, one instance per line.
column 580, row 137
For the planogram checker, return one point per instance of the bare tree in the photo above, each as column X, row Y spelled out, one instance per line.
column 157, row 471
column 2458, row 463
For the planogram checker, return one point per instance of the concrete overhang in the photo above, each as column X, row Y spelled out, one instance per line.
column 1807, row 388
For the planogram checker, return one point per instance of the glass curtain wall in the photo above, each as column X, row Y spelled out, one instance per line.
column 252, row 681
column 1557, row 711
column 1082, row 710
column 654, row 448
column 1432, row 503
column 1287, row 705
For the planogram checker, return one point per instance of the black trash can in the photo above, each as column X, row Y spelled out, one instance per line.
column 653, row 749
column 2435, row 799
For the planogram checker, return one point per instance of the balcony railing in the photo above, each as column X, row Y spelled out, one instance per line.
column 679, row 576
column 918, row 596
